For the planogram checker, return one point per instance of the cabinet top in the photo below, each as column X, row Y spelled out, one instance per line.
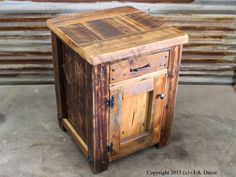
column 113, row 34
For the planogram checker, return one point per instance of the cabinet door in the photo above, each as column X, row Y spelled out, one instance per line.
column 135, row 117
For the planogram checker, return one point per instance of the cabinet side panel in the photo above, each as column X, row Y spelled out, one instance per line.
column 172, row 84
column 77, row 74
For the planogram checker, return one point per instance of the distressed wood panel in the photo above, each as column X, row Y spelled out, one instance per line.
column 149, row 63
column 211, row 25
column 76, row 72
column 99, row 41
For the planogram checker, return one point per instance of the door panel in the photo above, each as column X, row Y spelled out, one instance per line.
column 134, row 115
column 135, row 109
column 135, row 119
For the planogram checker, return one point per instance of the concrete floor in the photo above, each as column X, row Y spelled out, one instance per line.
column 32, row 145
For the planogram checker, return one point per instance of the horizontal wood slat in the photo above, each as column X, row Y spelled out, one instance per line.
column 168, row 1
column 208, row 58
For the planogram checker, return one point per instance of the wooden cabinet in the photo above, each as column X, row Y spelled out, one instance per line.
column 116, row 74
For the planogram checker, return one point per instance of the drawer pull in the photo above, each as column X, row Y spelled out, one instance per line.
column 140, row 68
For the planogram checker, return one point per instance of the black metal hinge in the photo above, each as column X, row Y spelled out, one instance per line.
column 109, row 102
column 109, row 148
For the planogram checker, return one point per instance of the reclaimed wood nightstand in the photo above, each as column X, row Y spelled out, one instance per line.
column 116, row 75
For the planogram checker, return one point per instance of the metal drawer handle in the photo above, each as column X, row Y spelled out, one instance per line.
column 140, row 68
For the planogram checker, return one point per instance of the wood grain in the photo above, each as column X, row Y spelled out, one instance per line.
column 158, row 104
column 172, row 85
column 59, row 79
column 135, row 109
column 135, row 88
column 76, row 72
column 98, row 132
column 115, row 122
column 76, row 136
column 98, row 39
column 121, row 84
column 139, row 114
column 125, row 69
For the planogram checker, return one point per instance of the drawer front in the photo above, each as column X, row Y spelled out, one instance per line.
column 134, row 67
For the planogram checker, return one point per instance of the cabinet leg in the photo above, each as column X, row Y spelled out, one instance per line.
column 165, row 137
column 59, row 79
column 99, row 116
column 60, row 123
column 98, row 166
column 162, row 144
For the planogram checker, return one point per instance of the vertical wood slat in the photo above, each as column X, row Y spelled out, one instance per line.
column 59, row 79
column 172, row 85
column 97, row 140
column 115, row 121
column 158, row 105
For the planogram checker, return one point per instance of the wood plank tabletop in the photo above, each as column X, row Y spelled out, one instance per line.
column 112, row 34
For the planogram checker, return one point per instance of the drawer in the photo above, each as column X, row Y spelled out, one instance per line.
column 137, row 66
